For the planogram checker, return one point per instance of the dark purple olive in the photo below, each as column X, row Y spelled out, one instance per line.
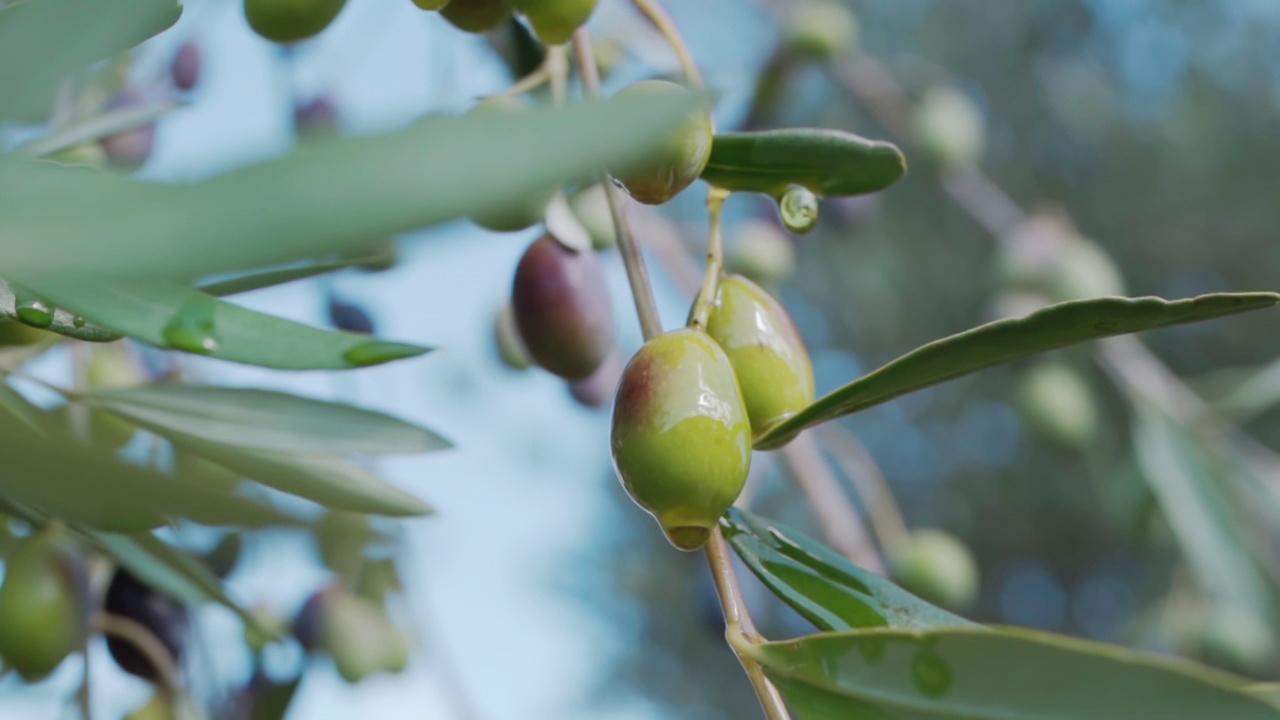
column 317, row 116
column 562, row 308
column 308, row 626
column 165, row 617
column 131, row 148
column 600, row 386
column 185, row 70
column 349, row 316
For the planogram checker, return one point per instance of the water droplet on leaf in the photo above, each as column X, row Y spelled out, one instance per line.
column 192, row 327
column 798, row 209
column 930, row 672
column 78, row 321
column 34, row 312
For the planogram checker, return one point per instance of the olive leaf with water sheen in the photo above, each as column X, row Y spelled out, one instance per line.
column 324, row 197
column 828, row 590
column 168, row 315
column 1003, row 341
column 994, row 674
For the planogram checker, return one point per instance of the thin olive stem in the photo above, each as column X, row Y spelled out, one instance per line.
column 657, row 15
column 137, row 634
column 887, row 522
column 637, row 274
column 528, row 83
column 557, row 65
column 739, row 630
column 706, row 300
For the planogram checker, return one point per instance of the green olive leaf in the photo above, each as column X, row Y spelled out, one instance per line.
column 324, row 197
column 64, row 323
column 828, row 590
column 248, row 282
column 43, row 41
column 1054, row 327
column 169, row 315
column 994, row 674
column 830, row 163
column 266, row 420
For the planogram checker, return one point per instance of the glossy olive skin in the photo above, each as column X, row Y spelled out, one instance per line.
column 163, row 616
column 767, row 354
column 681, row 440
column 286, row 21
column 562, row 308
column 674, row 166
column 131, row 148
column 554, row 21
column 44, row 605
column 477, row 16
column 938, row 567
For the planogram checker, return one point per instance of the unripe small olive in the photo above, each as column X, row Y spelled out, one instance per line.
column 163, row 616
column 349, row 316
column 431, row 4
column 316, row 117
column 591, row 206
column 131, row 148
column 1084, row 270
column 937, row 567
column 949, row 126
column 1058, row 403
column 44, row 605
column 286, row 21
column 530, row 210
column 761, row 251
column 681, row 440
column 767, row 354
column 820, row 29
column 562, row 308
column 679, row 161
column 554, row 21
column 477, row 16
column 185, row 70
column 506, row 337
column 355, row 632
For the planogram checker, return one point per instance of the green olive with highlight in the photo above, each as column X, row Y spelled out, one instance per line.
column 681, row 440
column 765, row 349
column 681, row 158
column 528, row 211
column 44, row 605
column 554, row 21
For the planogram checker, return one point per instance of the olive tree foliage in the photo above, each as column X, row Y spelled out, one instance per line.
column 103, row 261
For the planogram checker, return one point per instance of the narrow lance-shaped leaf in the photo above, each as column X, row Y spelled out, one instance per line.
column 247, row 282
column 322, row 198
column 1054, row 327
column 830, row 163
column 62, row 322
column 267, row 420
column 169, row 315
column 996, row 674
column 828, row 590
column 44, row 41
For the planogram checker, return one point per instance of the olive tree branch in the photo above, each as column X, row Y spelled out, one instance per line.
column 706, row 298
column 637, row 275
column 658, row 16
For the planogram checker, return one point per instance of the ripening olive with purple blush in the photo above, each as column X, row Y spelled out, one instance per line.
column 185, row 70
column 598, row 388
column 131, row 148
column 562, row 308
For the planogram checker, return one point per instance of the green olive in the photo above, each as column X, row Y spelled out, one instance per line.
column 1058, row 403
column 112, row 366
column 674, row 166
column 949, row 126
column 506, row 336
column 477, row 16
column 431, row 4
column 820, row 29
column 761, row 251
column 286, row 21
column 681, row 440
column 562, row 308
column 1084, row 270
column 554, row 21
column 531, row 210
column 767, row 354
column 360, row 637
column 44, row 605
column 937, row 567
column 591, row 206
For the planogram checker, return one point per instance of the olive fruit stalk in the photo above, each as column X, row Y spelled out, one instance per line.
column 681, row 440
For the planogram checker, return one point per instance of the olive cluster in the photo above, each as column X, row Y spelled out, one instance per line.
column 553, row 21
